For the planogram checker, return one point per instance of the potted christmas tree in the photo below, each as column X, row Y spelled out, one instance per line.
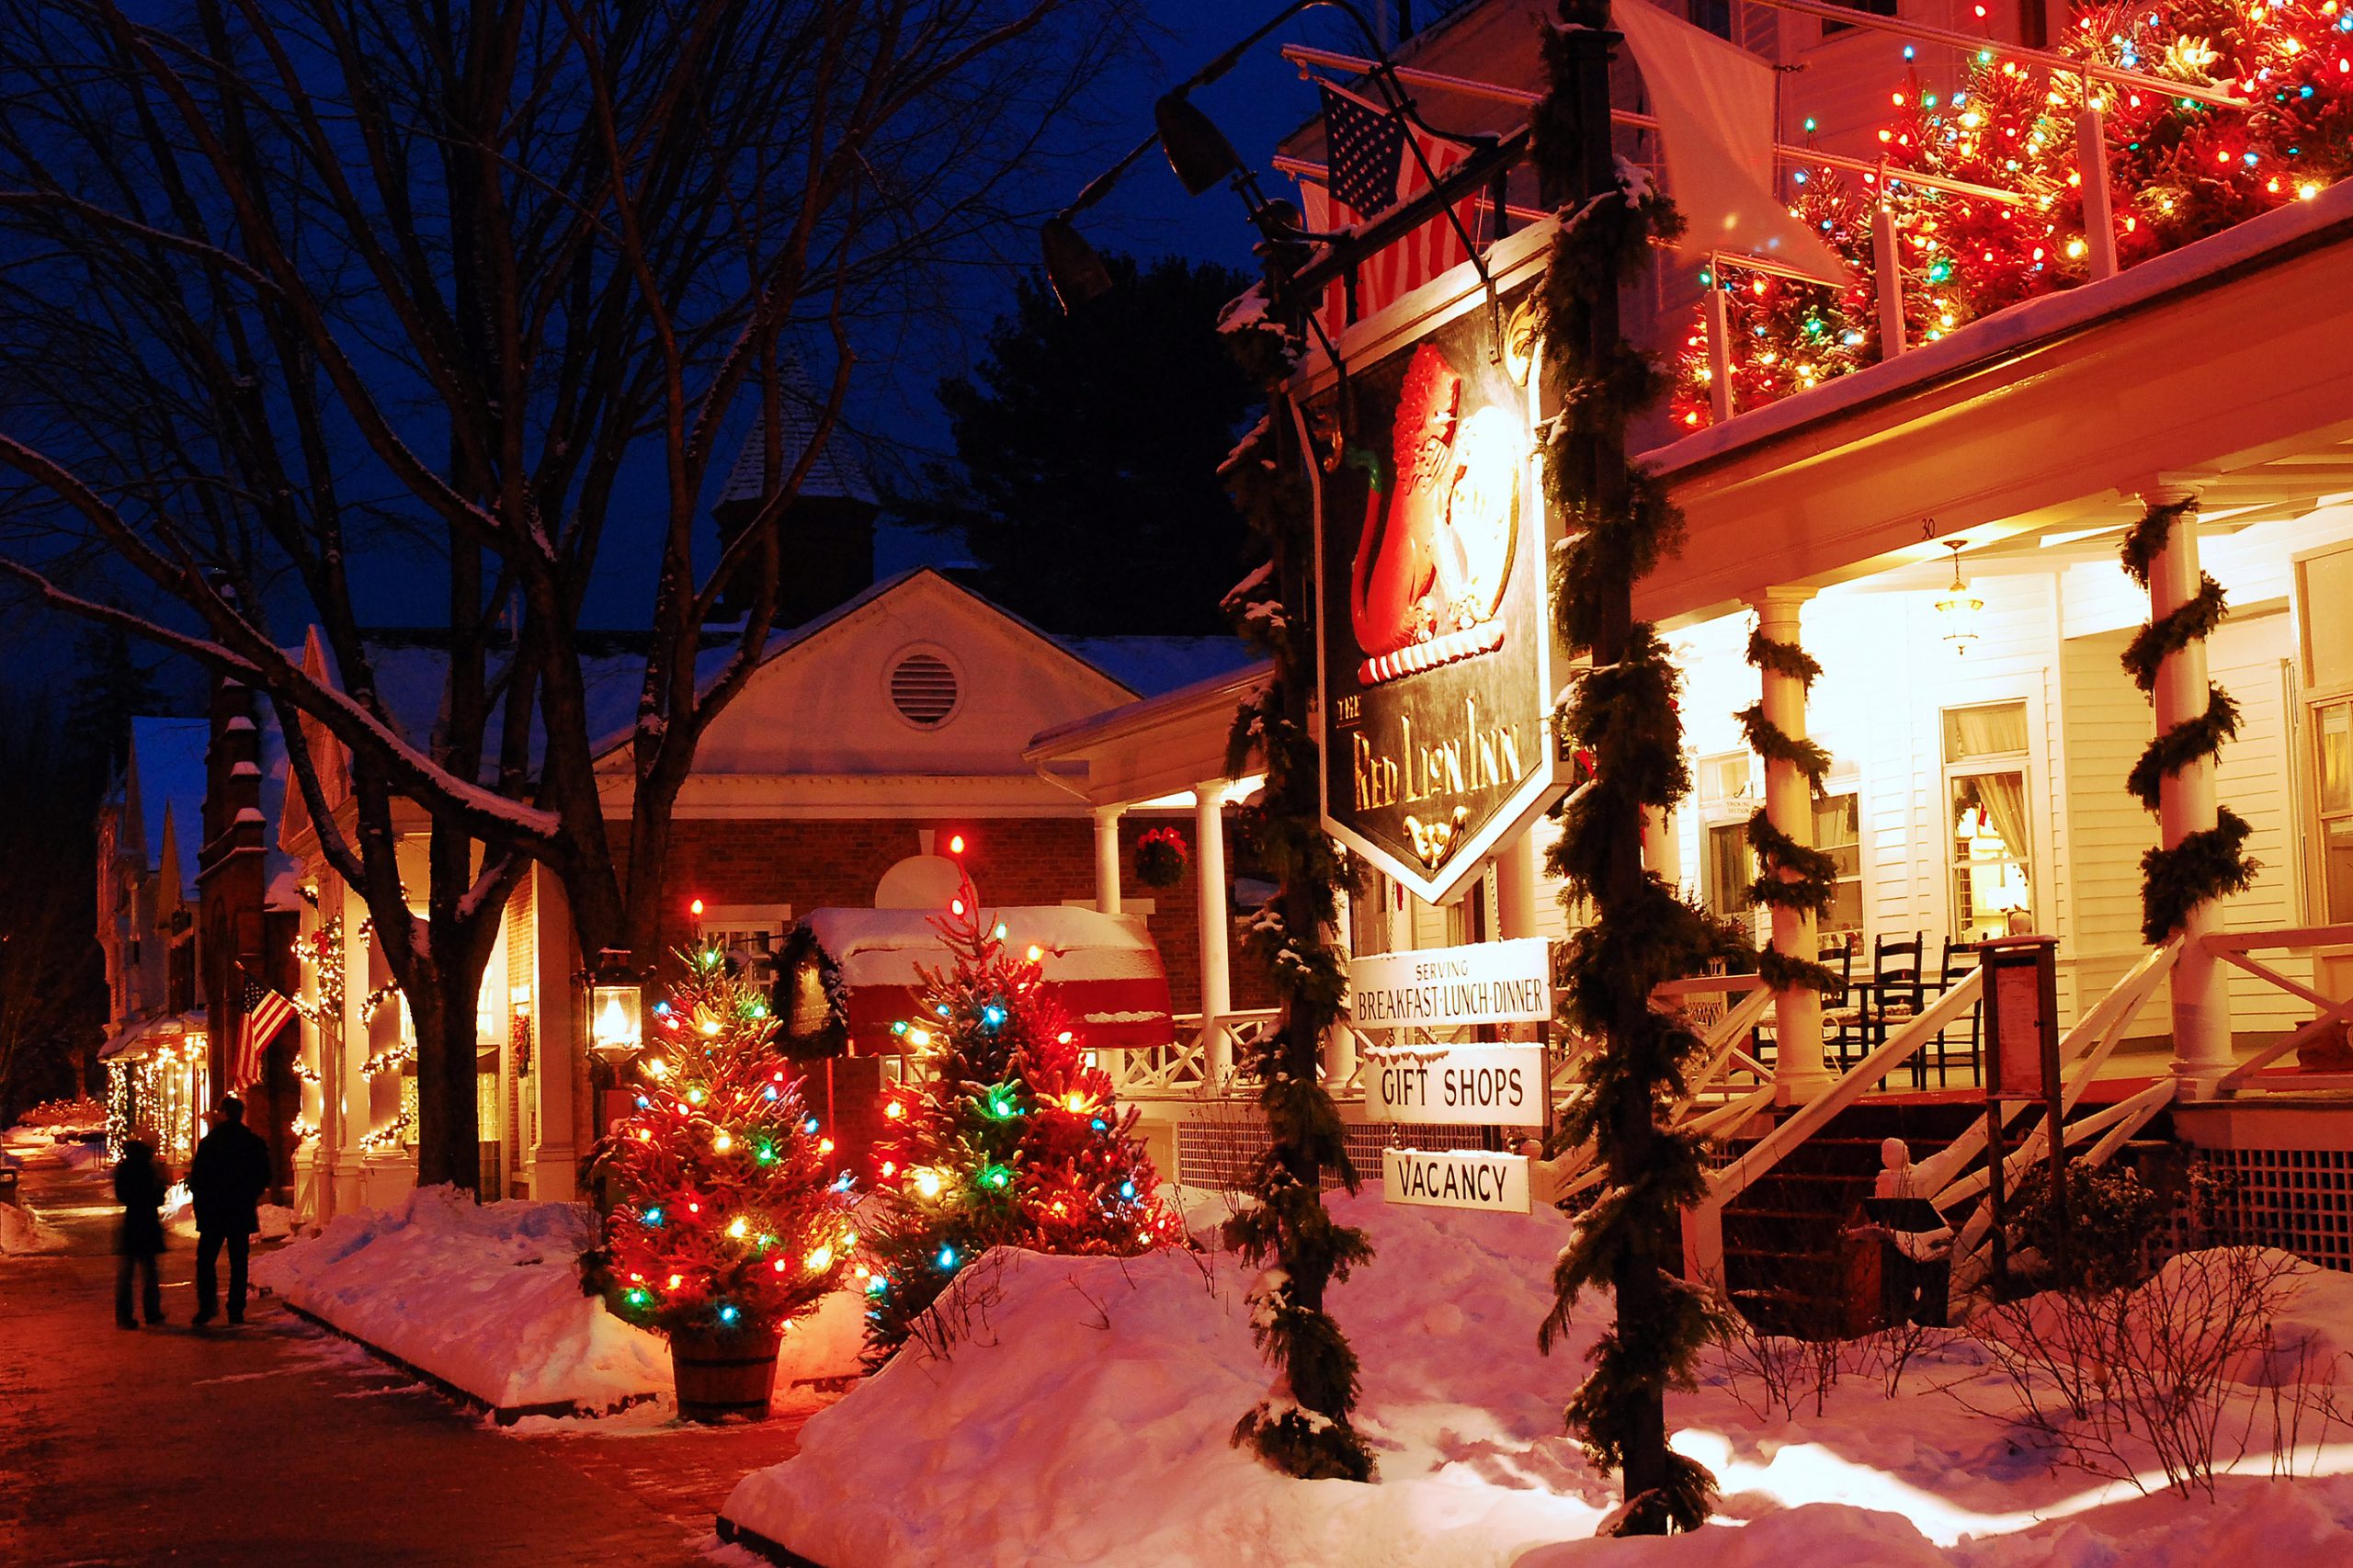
column 729, row 1222
column 1004, row 1135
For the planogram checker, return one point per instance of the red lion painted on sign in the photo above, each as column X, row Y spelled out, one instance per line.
column 1436, row 541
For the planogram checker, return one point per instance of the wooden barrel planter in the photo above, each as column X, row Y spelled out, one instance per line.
column 719, row 1375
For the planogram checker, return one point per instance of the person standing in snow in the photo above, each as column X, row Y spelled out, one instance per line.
column 230, row 1173
column 139, row 1187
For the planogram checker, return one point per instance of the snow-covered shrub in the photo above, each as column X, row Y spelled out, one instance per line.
column 2175, row 1376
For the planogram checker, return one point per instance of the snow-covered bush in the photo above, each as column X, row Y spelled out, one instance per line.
column 2218, row 1355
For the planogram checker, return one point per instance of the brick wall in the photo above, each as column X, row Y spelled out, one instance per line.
column 820, row 864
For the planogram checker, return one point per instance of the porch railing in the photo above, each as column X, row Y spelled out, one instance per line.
column 2082, row 1053
column 2235, row 948
column 2098, row 81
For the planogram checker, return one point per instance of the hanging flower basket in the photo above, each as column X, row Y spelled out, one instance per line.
column 1160, row 858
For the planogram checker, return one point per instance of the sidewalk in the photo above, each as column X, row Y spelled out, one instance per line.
column 277, row 1443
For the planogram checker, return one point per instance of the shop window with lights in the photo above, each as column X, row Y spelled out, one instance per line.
column 1988, row 823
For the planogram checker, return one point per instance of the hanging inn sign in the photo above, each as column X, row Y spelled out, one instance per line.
column 1434, row 645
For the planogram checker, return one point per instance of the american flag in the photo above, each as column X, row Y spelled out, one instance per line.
column 1364, row 147
column 1355, row 172
column 265, row 1012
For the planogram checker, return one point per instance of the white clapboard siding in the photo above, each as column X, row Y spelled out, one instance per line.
column 2247, row 657
column 2107, row 726
column 2108, row 723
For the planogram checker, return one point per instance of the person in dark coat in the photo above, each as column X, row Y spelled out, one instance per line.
column 139, row 1184
column 230, row 1173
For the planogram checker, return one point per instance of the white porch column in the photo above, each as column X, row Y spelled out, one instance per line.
column 1107, row 860
column 1798, row 1071
column 2186, row 804
column 556, row 1046
column 1209, row 870
column 1517, row 880
column 316, row 1198
column 1339, row 1041
column 342, row 1076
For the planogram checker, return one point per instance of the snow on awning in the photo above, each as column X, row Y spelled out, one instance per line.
column 888, row 947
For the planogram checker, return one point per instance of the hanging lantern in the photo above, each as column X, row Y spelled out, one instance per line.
column 616, row 1017
column 1958, row 609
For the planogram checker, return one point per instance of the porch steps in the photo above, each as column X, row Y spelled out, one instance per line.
column 1786, row 1258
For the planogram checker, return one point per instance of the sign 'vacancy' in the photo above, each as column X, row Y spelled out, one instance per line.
column 1439, row 988
column 1471, row 1086
column 1460, row 1178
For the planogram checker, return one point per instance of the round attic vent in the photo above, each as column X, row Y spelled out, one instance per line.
column 924, row 690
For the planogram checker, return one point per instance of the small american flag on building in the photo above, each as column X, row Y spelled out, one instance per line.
column 1370, row 171
column 262, row 1012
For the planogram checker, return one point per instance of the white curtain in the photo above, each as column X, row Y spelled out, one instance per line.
column 2003, row 798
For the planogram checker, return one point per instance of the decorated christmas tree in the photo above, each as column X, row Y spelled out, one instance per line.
column 730, row 1219
column 1002, row 1136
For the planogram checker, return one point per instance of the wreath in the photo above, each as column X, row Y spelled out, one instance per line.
column 1160, row 858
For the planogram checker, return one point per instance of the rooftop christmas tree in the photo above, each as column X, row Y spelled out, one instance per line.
column 2179, row 170
column 1006, row 1137
column 730, row 1221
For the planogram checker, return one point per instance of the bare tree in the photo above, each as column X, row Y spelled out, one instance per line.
column 295, row 293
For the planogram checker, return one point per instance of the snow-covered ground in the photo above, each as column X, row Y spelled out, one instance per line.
column 486, row 1297
column 22, row 1230
column 1086, row 1418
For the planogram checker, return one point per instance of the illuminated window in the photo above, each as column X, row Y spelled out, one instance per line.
column 1988, row 821
column 2323, row 596
column 1838, row 833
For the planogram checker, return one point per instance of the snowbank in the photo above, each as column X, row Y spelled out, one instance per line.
column 1086, row 1420
column 22, row 1230
column 484, row 1296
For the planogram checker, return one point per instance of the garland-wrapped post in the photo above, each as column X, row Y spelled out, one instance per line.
column 2201, row 844
column 1795, row 879
column 1618, row 523
column 1302, row 1426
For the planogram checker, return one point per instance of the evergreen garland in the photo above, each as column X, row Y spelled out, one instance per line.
column 1774, row 743
column 1783, row 658
column 2210, row 863
column 1817, row 871
column 1619, row 524
column 1784, row 971
column 1790, row 875
column 1302, row 1426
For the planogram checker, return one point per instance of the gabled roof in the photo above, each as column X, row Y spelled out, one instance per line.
column 1143, row 667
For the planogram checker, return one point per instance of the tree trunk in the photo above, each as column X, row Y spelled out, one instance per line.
column 449, row 1121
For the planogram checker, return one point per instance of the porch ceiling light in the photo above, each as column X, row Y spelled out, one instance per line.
column 1958, row 609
